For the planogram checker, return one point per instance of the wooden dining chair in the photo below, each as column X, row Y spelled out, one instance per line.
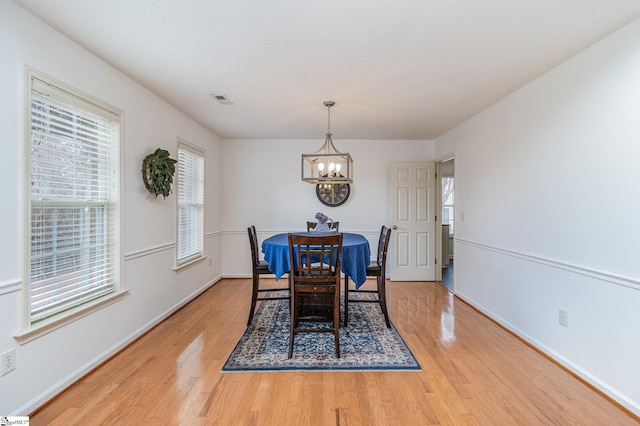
column 375, row 269
column 260, row 267
column 314, row 282
column 333, row 225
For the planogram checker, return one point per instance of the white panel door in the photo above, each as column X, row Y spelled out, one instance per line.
column 411, row 250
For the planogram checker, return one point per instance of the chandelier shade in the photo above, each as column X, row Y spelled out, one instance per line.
column 327, row 165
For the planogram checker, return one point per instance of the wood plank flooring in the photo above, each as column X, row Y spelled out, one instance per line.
column 473, row 373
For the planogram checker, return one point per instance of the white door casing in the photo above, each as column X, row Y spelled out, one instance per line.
column 412, row 246
column 438, row 242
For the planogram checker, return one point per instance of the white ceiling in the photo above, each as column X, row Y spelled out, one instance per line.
column 404, row 69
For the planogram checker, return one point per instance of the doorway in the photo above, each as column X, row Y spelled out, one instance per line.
column 445, row 206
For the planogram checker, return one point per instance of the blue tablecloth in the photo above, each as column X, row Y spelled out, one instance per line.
column 356, row 255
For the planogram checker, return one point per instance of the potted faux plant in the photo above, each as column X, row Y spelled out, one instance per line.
column 157, row 172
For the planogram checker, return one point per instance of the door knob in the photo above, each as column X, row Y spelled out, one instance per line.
column 394, row 227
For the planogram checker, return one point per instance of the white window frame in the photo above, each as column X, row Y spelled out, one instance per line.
column 192, row 250
column 59, row 94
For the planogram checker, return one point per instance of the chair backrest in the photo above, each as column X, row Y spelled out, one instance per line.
column 253, row 240
column 315, row 258
column 383, row 245
column 333, row 225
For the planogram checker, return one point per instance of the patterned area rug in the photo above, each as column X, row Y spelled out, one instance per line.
column 365, row 344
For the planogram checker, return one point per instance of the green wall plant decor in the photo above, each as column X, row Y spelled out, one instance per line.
column 157, row 172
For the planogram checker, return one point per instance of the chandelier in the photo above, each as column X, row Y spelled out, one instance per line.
column 327, row 165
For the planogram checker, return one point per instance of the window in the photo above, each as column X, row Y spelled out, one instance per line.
column 190, row 233
column 73, row 175
column 447, row 202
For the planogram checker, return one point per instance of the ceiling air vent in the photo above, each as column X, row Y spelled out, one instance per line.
column 222, row 99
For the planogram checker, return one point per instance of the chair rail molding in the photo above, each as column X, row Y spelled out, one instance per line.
column 148, row 251
column 611, row 277
column 11, row 286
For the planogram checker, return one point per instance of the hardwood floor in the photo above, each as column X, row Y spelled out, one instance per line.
column 473, row 373
column 447, row 276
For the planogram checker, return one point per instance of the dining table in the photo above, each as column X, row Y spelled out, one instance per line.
column 356, row 255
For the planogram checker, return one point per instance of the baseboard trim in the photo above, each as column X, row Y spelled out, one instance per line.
column 620, row 400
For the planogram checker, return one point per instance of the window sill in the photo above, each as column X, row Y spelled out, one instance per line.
column 189, row 263
column 45, row 326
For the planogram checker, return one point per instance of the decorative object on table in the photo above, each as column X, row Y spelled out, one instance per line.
column 327, row 165
column 324, row 224
column 157, row 172
column 366, row 344
column 334, row 226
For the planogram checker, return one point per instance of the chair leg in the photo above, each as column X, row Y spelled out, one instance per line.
column 382, row 295
column 336, row 321
column 294, row 322
column 346, row 300
column 293, row 319
column 254, row 298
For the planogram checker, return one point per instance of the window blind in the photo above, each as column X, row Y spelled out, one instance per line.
column 190, row 180
column 74, row 189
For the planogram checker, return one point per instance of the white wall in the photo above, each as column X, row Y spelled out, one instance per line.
column 263, row 188
column 547, row 180
column 49, row 363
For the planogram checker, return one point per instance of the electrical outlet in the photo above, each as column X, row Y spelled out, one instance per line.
column 210, row 261
column 563, row 318
column 8, row 361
